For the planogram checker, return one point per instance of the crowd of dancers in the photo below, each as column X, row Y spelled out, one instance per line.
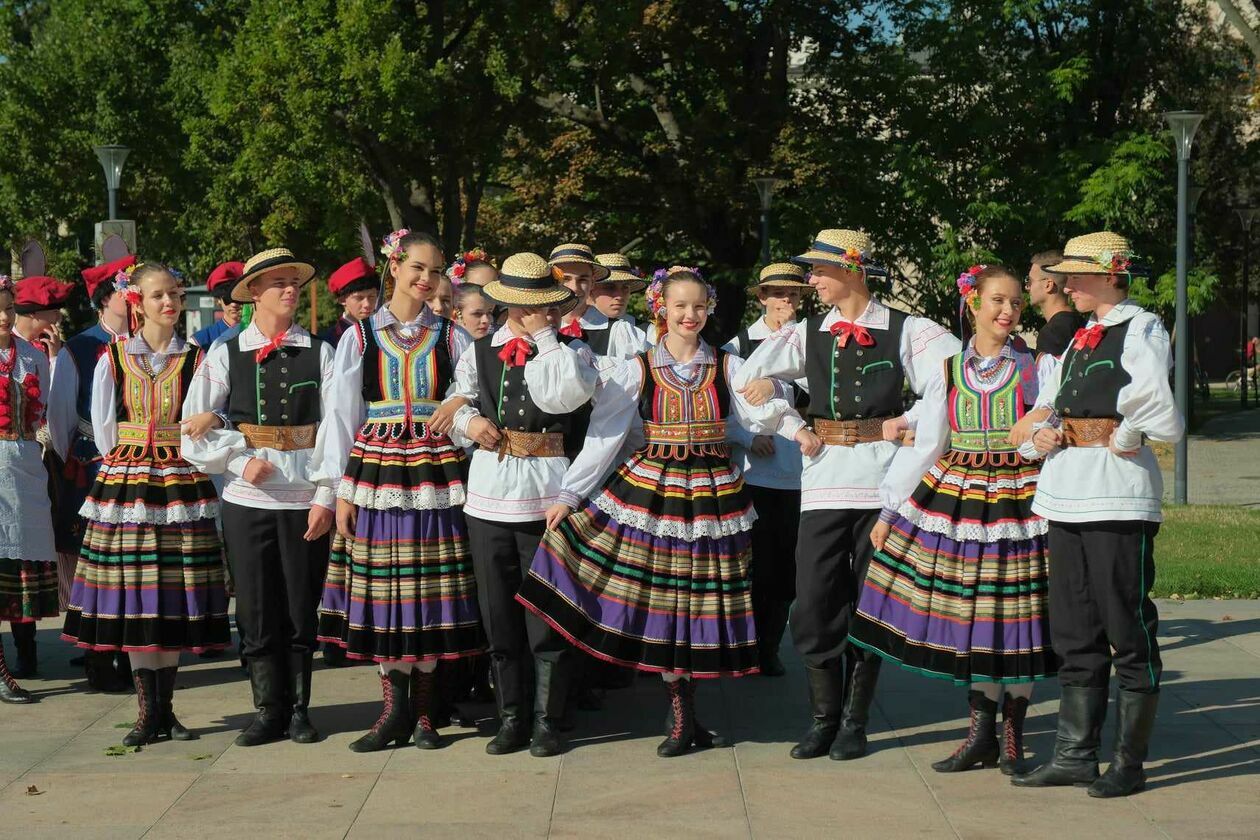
column 497, row 464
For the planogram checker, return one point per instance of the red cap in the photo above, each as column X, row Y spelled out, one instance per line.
column 357, row 269
column 225, row 273
column 98, row 274
column 34, row 294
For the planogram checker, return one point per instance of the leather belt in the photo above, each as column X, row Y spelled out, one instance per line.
column 1093, row 431
column 530, row 444
column 140, row 434
column 279, row 438
column 849, row 432
column 25, row 435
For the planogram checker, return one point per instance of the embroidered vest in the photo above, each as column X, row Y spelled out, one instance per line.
column 282, row 391
column 147, row 405
column 980, row 421
column 404, row 380
column 680, row 417
column 1091, row 380
column 855, row 382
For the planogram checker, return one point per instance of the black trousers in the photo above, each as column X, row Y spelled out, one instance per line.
column 1101, row 612
column 774, row 537
column 279, row 578
column 833, row 552
column 501, row 554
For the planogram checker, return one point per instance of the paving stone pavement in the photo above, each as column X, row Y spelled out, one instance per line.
column 57, row 781
column 1224, row 462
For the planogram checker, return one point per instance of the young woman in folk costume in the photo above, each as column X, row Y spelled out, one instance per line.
column 957, row 587
column 653, row 573
column 400, row 588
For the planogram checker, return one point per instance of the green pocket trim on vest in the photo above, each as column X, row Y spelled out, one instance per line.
column 877, row 366
column 1105, row 362
column 310, row 383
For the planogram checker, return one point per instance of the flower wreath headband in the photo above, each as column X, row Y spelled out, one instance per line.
column 655, row 294
column 1116, row 262
column 6, row 283
column 459, row 268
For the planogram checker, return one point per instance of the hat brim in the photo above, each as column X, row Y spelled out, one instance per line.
column 501, row 293
column 1087, row 267
column 790, row 284
column 601, row 271
column 634, row 282
column 240, row 291
column 821, row 258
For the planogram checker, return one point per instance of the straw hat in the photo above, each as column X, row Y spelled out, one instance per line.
column 1096, row 253
column 527, row 280
column 846, row 248
column 265, row 261
column 781, row 274
column 573, row 253
column 621, row 272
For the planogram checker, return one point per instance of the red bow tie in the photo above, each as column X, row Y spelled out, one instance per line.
column 1087, row 339
column 516, row 351
column 573, row 329
column 845, row 330
column 272, row 346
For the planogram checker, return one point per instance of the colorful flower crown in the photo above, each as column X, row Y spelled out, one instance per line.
column 123, row 284
column 391, row 245
column 459, row 268
column 1116, row 262
column 6, row 283
column 967, row 280
column 655, row 294
column 854, row 258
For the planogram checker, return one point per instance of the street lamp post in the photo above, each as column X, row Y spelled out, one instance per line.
column 1183, row 124
column 1194, row 193
column 1246, row 215
column 112, row 158
column 765, row 191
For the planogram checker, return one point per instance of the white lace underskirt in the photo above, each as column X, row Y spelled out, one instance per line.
column 686, row 531
column 1030, row 528
column 137, row 513
column 394, row 498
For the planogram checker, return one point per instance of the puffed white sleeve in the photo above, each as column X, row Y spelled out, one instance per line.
column 345, row 413
column 325, row 484
column 219, row 449
column 62, row 413
column 626, row 340
column 931, row 439
column 756, row 419
column 1147, row 403
column 461, row 340
column 925, row 345
column 559, row 378
column 780, row 357
column 104, row 413
column 464, row 384
column 614, row 412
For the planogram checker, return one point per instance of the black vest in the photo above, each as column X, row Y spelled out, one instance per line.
column 1057, row 334
column 598, row 340
column 504, row 398
column 282, row 391
column 855, row 382
column 647, row 397
column 372, row 366
column 1091, row 380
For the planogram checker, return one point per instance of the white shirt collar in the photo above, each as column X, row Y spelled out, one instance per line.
column 593, row 319
column 874, row 317
column 383, row 317
column 659, row 356
column 251, row 337
column 1121, row 312
column 504, row 334
column 137, row 346
column 759, row 329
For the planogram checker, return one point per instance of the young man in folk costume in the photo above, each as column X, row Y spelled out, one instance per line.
column 272, row 384
column 1101, row 491
column 220, row 283
column 612, row 297
column 772, row 471
column 357, row 290
column 857, row 358
column 522, row 385
column 576, row 268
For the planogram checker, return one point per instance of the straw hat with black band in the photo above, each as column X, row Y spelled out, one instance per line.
column 1097, row 253
column 849, row 249
column 270, row 260
column 526, row 280
column 571, row 252
column 621, row 271
column 781, row 275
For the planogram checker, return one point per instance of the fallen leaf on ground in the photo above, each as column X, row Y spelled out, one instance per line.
column 201, row 757
column 1227, row 618
column 31, row 790
column 119, row 749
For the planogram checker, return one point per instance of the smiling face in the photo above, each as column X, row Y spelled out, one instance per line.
column 1001, row 301
column 419, row 273
column 610, row 298
column 686, row 307
column 779, row 302
column 834, row 283
column 161, row 298
column 277, row 292
column 577, row 279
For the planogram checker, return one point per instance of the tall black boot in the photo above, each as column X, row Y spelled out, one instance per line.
column 981, row 746
column 170, row 725
column 771, row 622
column 513, row 734
column 1135, row 719
column 394, row 724
column 148, row 723
column 826, row 698
column 424, row 701
column 266, row 679
column 851, row 739
column 25, row 664
column 10, row 691
column 301, row 730
column 98, row 667
column 1014, row 711
column 703, row 738
column 683, row 731
column 1081, row 714
column 334, row 655
column 551, row 689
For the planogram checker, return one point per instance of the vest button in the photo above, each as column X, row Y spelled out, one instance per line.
column 284, row 417
column 261, row 401
column 858, row 398
column 1067, row 411
column 857, row 417
column 262, row 416
column 284, row 384
column 1074, row 392
column 521, row 412
column 283, row 401
column 858, row 383
column 284, row 370
column 522, row 398
column 861, row 353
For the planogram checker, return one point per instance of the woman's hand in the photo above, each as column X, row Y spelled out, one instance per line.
column 758, row 392
column 811, row 444
column 763, row 445
column 347, row 519
column 484, row 432
column 879, row 534
column 195, row 427
column 556, row 514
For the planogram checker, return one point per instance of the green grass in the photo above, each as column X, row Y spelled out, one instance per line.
column 1208, row 551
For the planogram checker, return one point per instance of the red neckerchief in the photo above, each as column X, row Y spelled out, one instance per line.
column 573, row 329
column 272, row 346
column 1088, row 338
column 844, row 330
column 516, row 351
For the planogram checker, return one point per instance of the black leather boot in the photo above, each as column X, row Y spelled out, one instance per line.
column 513, row 734
column 826, row 697
column 10, row 691
column 551, row 689
column 334, row 655
column 683, row 732
column 1014, row 711
column 981, row 746
column 25, row 664
column 424, row 697
column 851, row 739
column 98, row 667
column 703, row 738
column 1135, row 719
column 170, row 725
column 301, row 730
column 771, row 622
column 394, row 724
column 1081, row 714
column 149, row 722
column 266, row 679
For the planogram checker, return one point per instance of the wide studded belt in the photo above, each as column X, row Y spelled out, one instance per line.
column 529, row 444
column 280, row 438
column 849, row 432
column 141, row 434
column 1092, row 431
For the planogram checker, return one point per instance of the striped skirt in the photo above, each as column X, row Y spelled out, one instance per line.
column 28, row 590
column 959, row 591
column 654, row 572
column 150, row 573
